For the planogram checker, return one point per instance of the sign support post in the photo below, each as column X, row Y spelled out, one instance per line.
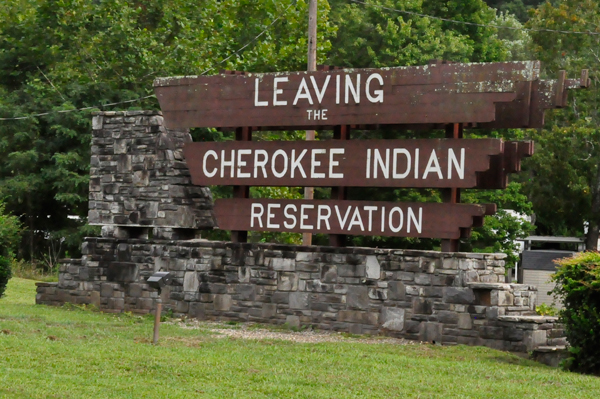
column 452, row 195
column 241, row 134
column 339, row 193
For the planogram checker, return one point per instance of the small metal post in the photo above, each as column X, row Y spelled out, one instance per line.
column 157, row 314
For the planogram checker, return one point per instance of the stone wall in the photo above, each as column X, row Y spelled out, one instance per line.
column 138, row 177
column 141, row 194
column 421, row 295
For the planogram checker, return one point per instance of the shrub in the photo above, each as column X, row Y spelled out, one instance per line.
column 578, row 286
column 10, row 230
column 4, row 274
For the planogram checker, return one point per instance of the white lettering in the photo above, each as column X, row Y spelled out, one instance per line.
column 254, row 214
column 417, row 163
column 385, row 168
column 296, row 163
column 285, row 163
column 290, row 216
column 433, row 166
column 271, row 215
column 460, row 168
column 356, row 220
column 411, row 216
column 240, row 163
column 277, row 91
column 395, row 173
column 309, row 111
column 303, row 93
column 368, row 174
column 304, row 216
column 316, row 163
column 337, row 89
column 342, row 222
column 215, row 170
column 378, row 98
column 401, row 218
column 351, row 88
column 227, row 163
column 324, row 218
column 261, row 163
column 320, row 94
column 256, row 102
column 317, row 114
column 333, row 163
column 370, row 209
column 323, row 116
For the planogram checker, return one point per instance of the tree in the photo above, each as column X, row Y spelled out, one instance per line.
column 371, row 36
column 63, row 55
column 10, row 229
column 564, row 174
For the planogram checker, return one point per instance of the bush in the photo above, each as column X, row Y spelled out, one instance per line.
column 578, row 286
column 10, row 231
column 4, row 274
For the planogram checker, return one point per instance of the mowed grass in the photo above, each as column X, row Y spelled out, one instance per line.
column 50, row 352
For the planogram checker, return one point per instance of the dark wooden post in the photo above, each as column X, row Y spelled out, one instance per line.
column 241, row 134
column 452, row 195
column 341, row 132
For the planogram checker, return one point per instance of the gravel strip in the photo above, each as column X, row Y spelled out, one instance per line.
column 250, row 331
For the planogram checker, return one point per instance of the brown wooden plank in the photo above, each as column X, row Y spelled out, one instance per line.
column 441, row 93
column 427, row 220
column 354, row 163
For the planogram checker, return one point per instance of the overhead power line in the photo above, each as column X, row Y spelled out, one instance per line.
column 474, row 23
column 152, row 95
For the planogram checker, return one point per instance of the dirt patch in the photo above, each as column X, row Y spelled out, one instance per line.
column 251, row 331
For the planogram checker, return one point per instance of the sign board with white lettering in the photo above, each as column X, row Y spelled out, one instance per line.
column 357, row 163
column 430, row 220
column 429, row 94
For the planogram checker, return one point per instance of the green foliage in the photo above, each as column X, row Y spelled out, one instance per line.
column 369, row 36
column 5, row 274
column 546, row 310
column 501, row 231
column 519, row 8
column 578, row 287
column 62, row 55
column 563, row 181
column 10, row 230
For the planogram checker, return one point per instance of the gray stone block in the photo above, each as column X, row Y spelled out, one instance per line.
column 459, row 295
column 357, row 297
column 282, row 264
column 422, row 306
column 222, row 302
column 447, row 317
column 373, row 269
column 299, row 300
column 431, row 332
column 396, row 291
column 464, row 321
column 392, row 318
column 280, row 297
column 345, row 270
column 287, row 281
column 246, row 292
column 329, row 273
column 190, row 282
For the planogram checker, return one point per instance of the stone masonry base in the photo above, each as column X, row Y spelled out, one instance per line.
column 447, row 298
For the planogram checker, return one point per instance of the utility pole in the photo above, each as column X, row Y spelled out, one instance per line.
column 312, row 66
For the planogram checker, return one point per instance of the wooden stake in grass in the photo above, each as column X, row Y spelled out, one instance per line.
column 157, row 320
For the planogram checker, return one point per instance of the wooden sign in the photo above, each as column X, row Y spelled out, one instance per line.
column 429, row 94
column 358, row 163
column 373, row 218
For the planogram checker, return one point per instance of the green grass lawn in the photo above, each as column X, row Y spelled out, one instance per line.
column 50, row 352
